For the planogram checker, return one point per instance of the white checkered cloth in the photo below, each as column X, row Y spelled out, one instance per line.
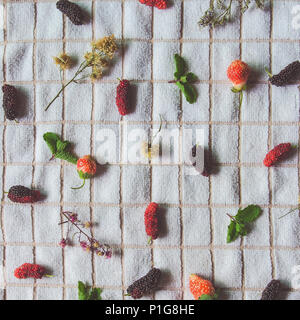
column 194, row 221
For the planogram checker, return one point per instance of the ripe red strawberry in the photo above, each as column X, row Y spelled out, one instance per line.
column 276, row 154
column 22, row 194
column 122, row 97
column 86, row 168
column 151, row 221
column 238, row 73
column 201, row 289
column 160, row 4
column 29, row 270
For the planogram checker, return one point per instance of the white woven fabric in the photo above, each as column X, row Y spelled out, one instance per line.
column 193, row 216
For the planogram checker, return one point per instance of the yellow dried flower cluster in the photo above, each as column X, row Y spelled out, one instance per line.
column 63, row 61
column 107, row 45
column 149, row 151
column 103, row 49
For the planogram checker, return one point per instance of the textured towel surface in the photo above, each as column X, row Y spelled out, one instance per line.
column 193, row 208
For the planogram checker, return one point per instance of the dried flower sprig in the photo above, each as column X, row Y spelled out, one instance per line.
column 103, row 50
column 220, row 11
column 89, row 244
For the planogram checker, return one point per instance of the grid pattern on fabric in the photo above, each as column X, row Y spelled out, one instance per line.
column 194, row 216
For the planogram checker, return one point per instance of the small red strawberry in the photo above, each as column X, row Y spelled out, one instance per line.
column 122, row 97
column 86, row 168
column 277, row 154
column 151, row 221
column 160, row 4
column 201, row 289
column 238, row 73
column 21, row 194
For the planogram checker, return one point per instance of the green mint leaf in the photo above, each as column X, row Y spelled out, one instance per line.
column 51, row 139
column 95, row 294
column 249, row 214
column 190, row 93
column 179, row 66
column 58, row 147
column 206, row 297
column 241, row 229
column 232, row 233
column 67, row 156
column 190, row 77
column 82, row 292
column 62, row 145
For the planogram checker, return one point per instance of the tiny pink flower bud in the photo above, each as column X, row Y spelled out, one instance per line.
column 83, row 244
column 73, row 217
column 63, row 243
column 108, row 254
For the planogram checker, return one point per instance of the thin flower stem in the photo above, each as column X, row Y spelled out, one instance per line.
column 160, row 126
column 231, row 217
column 295, row 209
column 82, row 67
column 76, row 226
column 63, row 222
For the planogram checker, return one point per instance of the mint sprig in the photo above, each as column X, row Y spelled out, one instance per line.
column 239, row 224
column 59, row 147
column 184, row 80
column 86, row 293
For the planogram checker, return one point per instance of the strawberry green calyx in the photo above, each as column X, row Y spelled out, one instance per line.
column 86, row 168
column 209, row 297
column 201, row 289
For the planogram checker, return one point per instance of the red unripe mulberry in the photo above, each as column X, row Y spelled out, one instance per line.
column 160, row 4
column 29, row 270
column 151, row 221
column 277, row 154
column 122, row 97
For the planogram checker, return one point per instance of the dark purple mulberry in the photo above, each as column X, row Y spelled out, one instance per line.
column 144, row 285
column 287, row 75
column 71, row 10
column 271, row 291
column 9, row 101
column 21, row 194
